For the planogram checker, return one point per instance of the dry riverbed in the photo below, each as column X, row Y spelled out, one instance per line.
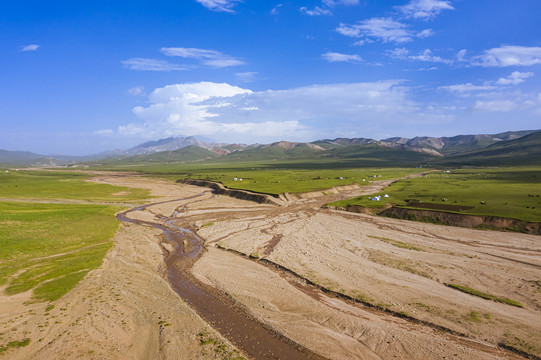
column 127, row 310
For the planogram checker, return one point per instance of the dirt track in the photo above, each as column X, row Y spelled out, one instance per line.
column 116, row 311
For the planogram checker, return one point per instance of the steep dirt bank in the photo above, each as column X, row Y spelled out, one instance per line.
column 220, row 189
column 462, row 220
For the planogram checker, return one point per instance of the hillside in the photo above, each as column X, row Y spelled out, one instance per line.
column 186, row 154
column 378, row 155
column 282, row 150
column 522, row 151
column 460, row 143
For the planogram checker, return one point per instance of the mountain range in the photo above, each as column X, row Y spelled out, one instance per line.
column 461, row 149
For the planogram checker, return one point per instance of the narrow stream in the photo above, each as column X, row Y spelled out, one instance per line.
column 220, row 311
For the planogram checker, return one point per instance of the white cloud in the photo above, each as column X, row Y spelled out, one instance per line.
column 383, row 29
column 143, row 64
column 276, row 10
column 31, row 47
column 136, row 91
column 247, row 76
column 104, row 132
column 515, row 78
column 332, row 3
column 326, row 6
column 424, row 9
column 316, row 11
column 466, row 88
column 237, row 114
column 338, row 57
column 207, row 57
column 425, row 55
column 509, row 56
column 460, row 56
column 219, row 5
column 494, row 106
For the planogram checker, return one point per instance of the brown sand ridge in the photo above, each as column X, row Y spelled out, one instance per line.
column 120, row 310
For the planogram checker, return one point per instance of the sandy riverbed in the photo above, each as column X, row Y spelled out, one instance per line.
column 120, row 305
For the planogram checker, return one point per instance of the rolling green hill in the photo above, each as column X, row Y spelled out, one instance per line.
column 376, row 155
column 19, row 157
column 186, row 154
column 522, row 151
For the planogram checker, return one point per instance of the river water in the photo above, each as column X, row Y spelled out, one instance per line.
column 248, row 334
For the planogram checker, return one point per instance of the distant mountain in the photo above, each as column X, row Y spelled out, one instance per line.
column 26, row 158
column 169, row 144
column 375, row 154
column 283, row 150
column 186, row 154
column 508, row 148
column 457, row 144
column 525, row 150
column 19, row 157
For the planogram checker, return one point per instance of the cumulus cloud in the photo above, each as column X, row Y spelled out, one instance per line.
column 143, row 64
column 239, row 114
column 31, row 47
column 515, row 78
column 494, row 105
column 424, row 9
column 509, row 56
column 338, row 57
column 207, row 57
column 219, row 5
column 383, row 29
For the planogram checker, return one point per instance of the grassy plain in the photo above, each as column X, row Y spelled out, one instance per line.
column 62, row 185
column 49, row 247
column 276, row 177
column 506, row 192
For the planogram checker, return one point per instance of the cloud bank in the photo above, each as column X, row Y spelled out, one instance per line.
column 237, row 114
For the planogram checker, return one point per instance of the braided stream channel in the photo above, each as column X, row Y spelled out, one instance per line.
column 249, row 335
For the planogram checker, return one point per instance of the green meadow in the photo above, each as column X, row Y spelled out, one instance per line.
column 505, row 192
column 49, row 247
column 276, row 181
column 62, row 185
column 275, row 177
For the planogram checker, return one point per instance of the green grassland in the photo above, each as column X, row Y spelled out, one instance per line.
column 276, row 181
column 50, row 247
column 62, row 185
column 506, row 192
column 275, row 177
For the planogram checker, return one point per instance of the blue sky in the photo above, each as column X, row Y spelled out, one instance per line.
column 83, row 77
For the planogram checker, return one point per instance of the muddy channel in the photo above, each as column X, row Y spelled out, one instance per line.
column 249, row 335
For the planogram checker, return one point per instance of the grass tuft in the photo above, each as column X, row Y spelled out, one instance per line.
column 469, row 290
column 14, row 344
